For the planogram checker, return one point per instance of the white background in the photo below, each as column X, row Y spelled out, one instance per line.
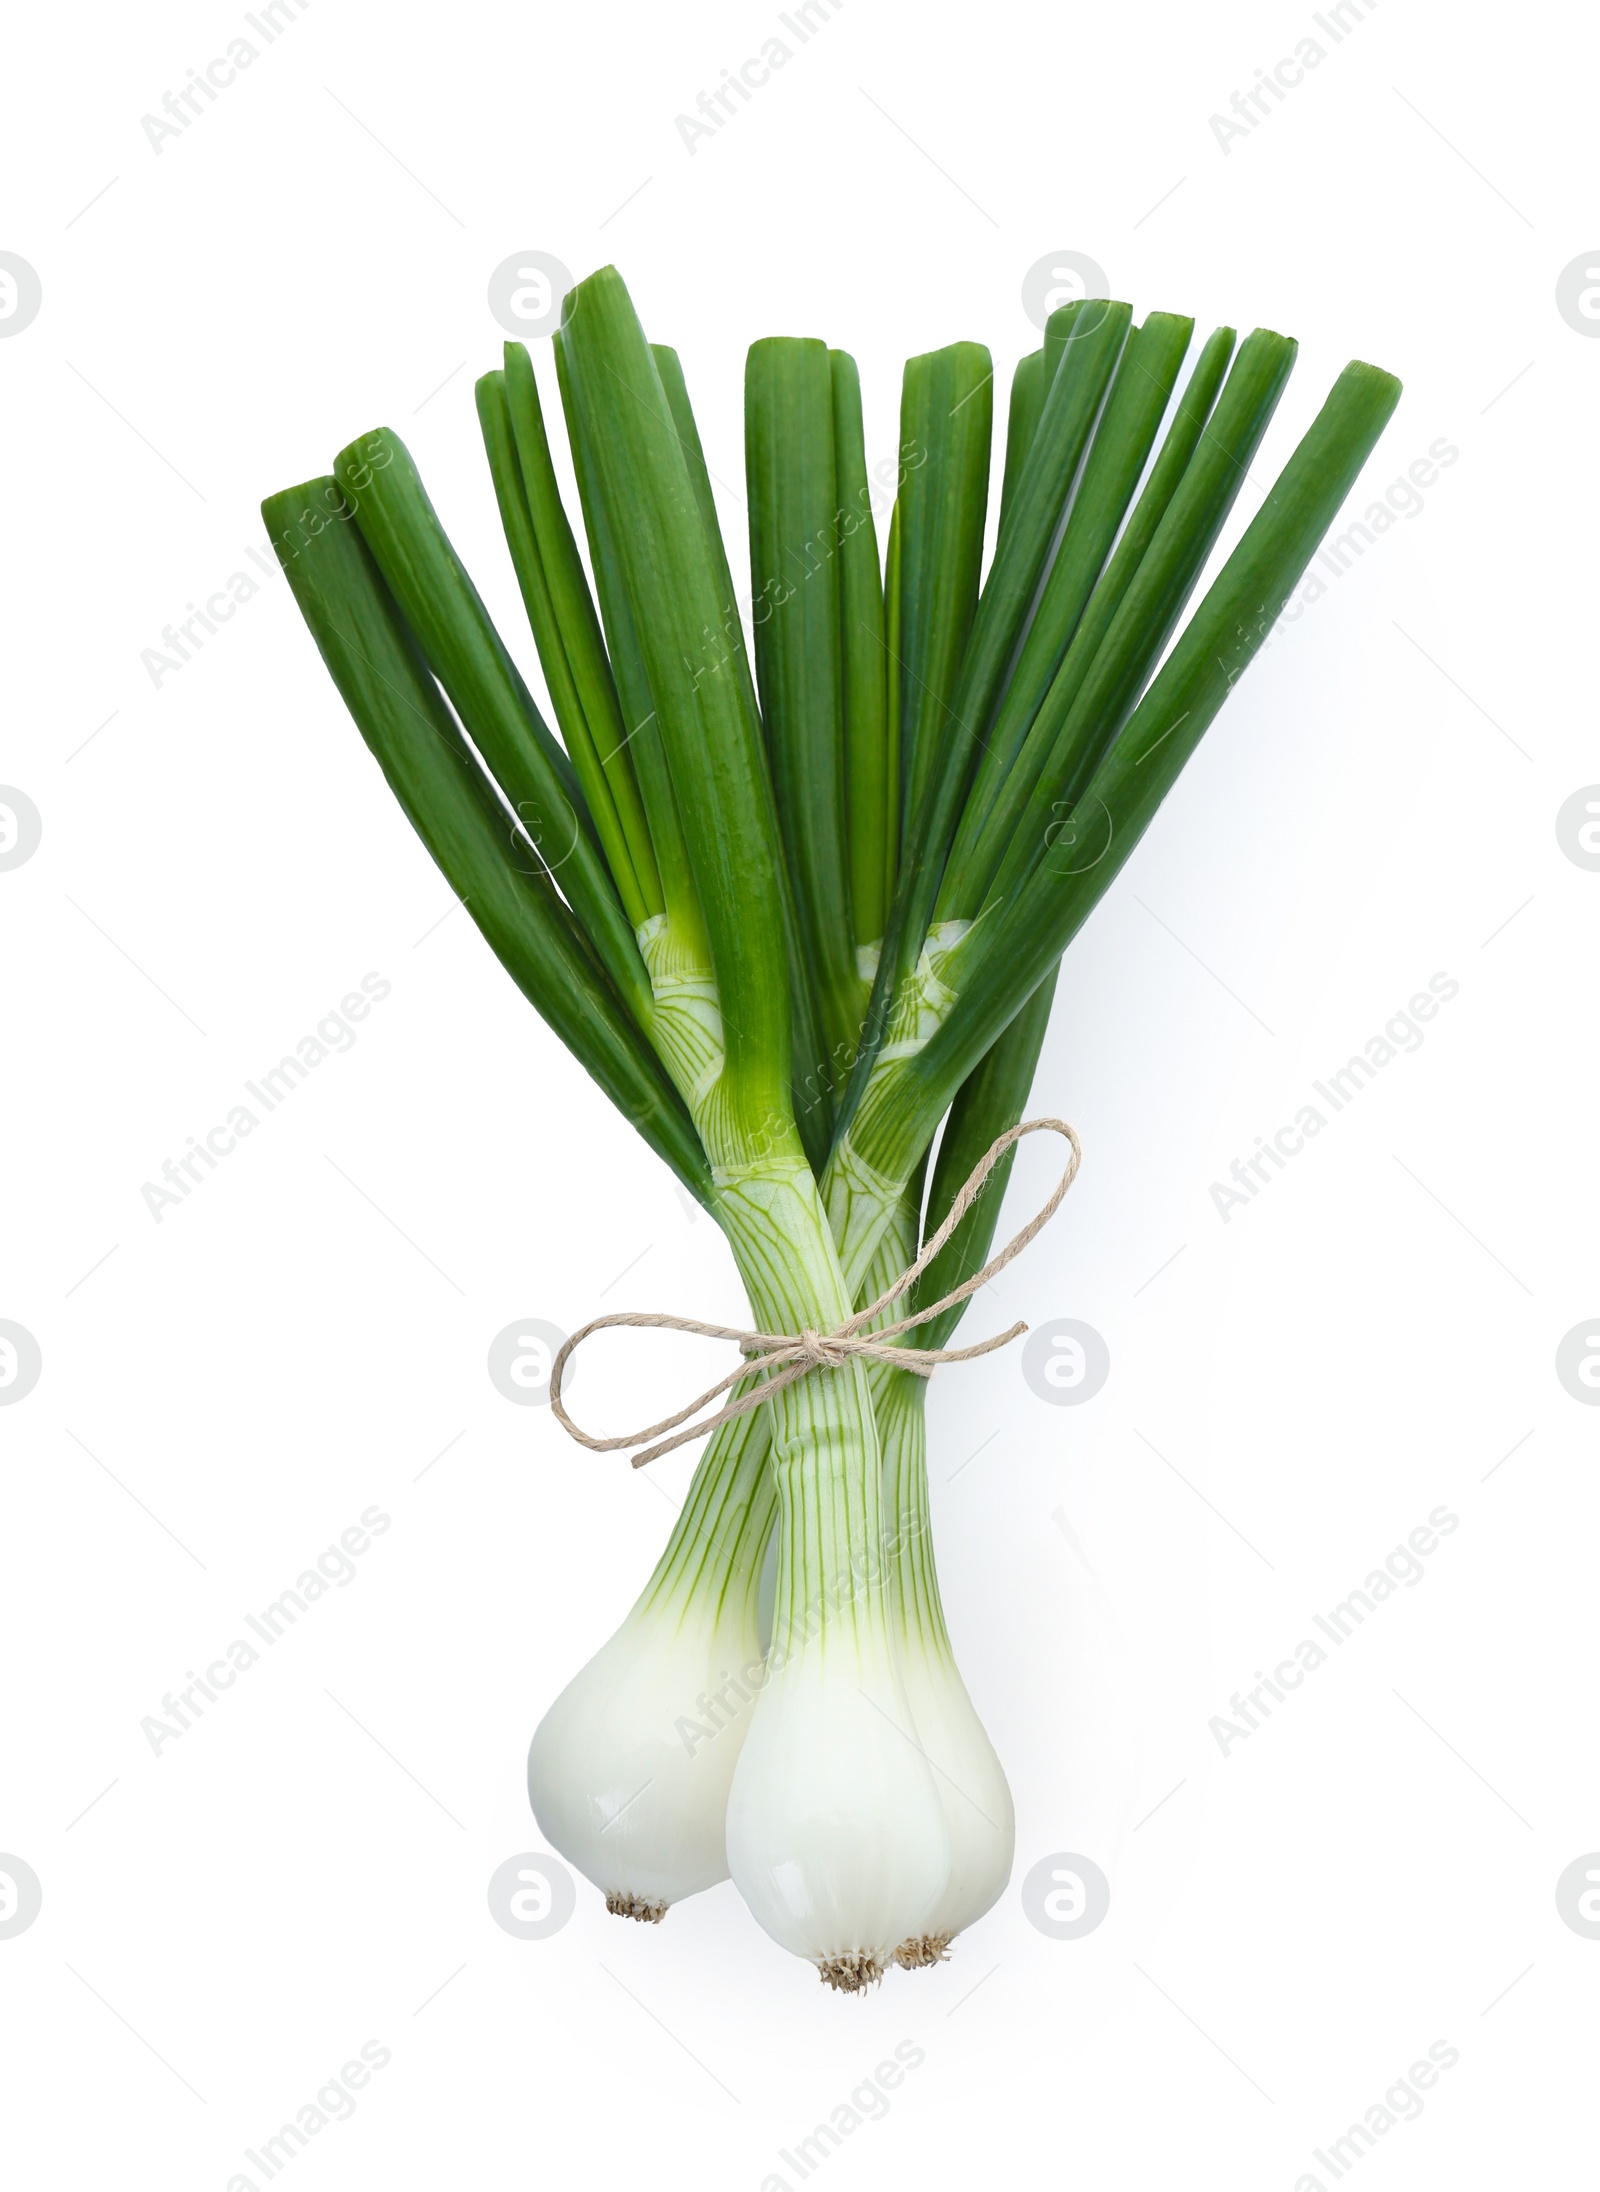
column 303, row 1338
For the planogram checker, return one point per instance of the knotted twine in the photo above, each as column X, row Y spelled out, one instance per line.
column 784, row 1357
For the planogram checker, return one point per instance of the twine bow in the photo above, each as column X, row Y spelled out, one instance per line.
column 777, row 1359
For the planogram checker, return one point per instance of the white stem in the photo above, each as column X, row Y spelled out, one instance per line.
column 836, row 1834
column 971, row 1782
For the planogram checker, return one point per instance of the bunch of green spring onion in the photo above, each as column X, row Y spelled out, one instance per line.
column 793, row 916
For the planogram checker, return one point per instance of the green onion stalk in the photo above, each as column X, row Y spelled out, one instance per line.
column 796, row 908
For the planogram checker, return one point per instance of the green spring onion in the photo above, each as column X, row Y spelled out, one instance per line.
column 795, row 916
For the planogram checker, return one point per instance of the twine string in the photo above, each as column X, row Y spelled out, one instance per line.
column 776, row 1359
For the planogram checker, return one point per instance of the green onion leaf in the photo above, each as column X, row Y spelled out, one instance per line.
column 1089, row 350
column 467, row 655
column 893, row 643
column 385, row 683
column 946, row 426
column 516, row 520
column 1145, row 377
column 1005, row 957
column 868, row 804
column 794, row 541
column 811, row 1076
column 1072, row 733
column 1022, row 422
column 641, row 732
column 989, row 1102
column 634, row 460
column 582, row 641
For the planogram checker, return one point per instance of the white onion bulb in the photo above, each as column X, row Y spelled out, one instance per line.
column 836, row 1836
column 629, row 1770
